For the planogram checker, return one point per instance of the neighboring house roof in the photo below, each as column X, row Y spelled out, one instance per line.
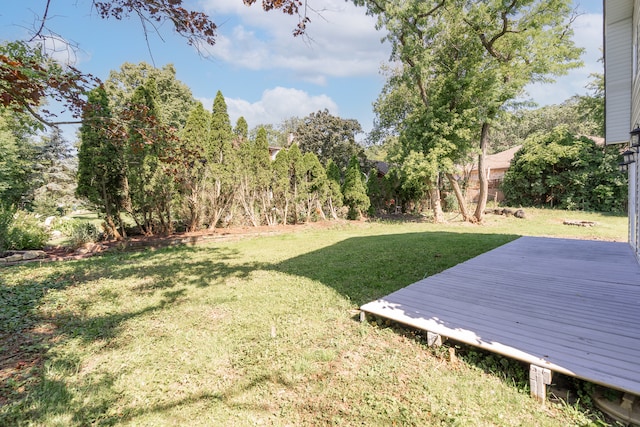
column 501, row 160
column 598, row 140
column 382, row 167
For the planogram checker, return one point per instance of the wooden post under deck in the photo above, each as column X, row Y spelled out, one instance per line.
column 539, row 378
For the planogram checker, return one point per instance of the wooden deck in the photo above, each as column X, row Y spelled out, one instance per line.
column 569, row 306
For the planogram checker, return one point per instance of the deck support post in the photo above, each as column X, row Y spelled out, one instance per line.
column 539, row 378
column 434, row 340
column 363, row 316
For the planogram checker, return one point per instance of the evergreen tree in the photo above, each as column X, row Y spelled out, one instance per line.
column 173, row 98
column 241, row 131
column 315, row 186
column 355, row 191
column 374, row 191
column 295, row 193
column 263, row 173
column 58, row 169
column 142, row 157
column 100, row 162
column 334, row 198
column 16, row 163
column 280, row 185
column 191, row 174
column 221, row 164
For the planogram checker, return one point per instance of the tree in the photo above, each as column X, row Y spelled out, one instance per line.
column 374, row 191
column 16, row 163
column 280, row 183
column 261, row 168
column 355, row 191
column 191, row 172
column 253, row 177
column 560, row 170
column 334, row 199
column 580, row 115
column 148, row 186
column 220, row 160
column 100, row 163
column 467, row 59
column 315, row 186
column 295, row 193
column 174, row 99
column 241, row 131
column 329, row 137
column 591, row 107
column 58, row 171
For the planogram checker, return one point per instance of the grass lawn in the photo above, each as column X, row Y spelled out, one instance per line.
column 260, row 331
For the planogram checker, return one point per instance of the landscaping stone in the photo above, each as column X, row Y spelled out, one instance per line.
column 33, row 255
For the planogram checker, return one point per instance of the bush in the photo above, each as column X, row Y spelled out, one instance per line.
column 559, row 170
column 79, row 232
column 26, row 232
column 6, row 219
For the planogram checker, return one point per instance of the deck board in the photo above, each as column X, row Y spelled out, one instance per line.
column 567, row 305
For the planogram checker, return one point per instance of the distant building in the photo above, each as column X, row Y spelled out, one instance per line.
column 273, row 152
column 497, row 165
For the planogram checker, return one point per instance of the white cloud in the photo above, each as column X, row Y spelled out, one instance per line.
column 275, row 105
column 341, row 41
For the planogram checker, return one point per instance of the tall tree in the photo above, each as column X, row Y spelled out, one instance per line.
column 241, row 130
column 329, row 137
column 58, row 169
column 191, row 172
column 16, row 162
column 296, row 173
column 355, row 191
column 253, row 177
column 334, row 200
column 221, row 163
column 467, row 59
column 174, row 99
column 261, row 166
column 147, row 187
column 280, row 184
column 315, row 186
column 100, row 162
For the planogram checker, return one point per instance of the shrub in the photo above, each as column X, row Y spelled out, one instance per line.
column 6, row 219
column 560, row 170
column 26, row 232
column 79, row 232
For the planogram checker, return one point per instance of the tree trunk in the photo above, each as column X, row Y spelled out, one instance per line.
column 482, row 173
column 434, row 192
column 462, row 205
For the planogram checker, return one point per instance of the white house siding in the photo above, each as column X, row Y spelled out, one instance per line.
column 622, row 92
column 634, row 170
column 618, row 72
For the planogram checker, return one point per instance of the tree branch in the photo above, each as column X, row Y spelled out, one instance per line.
column 38, row 32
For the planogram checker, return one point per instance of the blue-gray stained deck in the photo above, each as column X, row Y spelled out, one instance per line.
column 571, row 306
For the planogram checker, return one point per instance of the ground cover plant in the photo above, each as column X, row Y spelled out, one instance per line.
column 258, row 331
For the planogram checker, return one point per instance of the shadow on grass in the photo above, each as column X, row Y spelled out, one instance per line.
column 366, row 268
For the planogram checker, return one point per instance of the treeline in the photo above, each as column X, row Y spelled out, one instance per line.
column 205, row 175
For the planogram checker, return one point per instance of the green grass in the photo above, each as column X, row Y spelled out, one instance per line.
column 259, row 331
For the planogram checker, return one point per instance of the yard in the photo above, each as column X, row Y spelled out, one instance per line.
column 262, row 331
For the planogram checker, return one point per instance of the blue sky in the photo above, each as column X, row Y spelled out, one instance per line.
column 266, row 74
